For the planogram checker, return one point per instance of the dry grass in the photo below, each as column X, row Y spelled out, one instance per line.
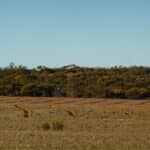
column 27, row 112
column 102, row 125
column 70, row 112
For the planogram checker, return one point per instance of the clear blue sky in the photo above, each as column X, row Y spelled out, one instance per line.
column 83, row 32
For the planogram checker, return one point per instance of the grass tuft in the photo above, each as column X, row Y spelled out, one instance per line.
column 57, row 125
column 45, row 126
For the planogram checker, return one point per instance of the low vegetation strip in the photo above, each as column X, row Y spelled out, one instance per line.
column 74, row 81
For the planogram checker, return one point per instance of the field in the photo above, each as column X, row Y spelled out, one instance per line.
column 88, row 124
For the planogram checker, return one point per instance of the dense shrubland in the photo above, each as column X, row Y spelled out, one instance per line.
column 74, row 81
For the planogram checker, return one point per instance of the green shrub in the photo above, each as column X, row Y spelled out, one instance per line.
column 57, row 125
column 133, row 93
column 29, row 89
column 46, row 126
column 136, row 93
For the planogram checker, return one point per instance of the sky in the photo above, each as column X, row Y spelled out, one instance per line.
column 91, row 33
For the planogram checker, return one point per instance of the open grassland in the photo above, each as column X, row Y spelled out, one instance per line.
column 89, row 124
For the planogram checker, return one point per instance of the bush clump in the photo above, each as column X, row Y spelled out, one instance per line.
column 46, row 126
column 57, row 125
column 136, row 93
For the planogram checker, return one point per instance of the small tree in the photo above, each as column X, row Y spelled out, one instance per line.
column 133, row 93
column 29, row 89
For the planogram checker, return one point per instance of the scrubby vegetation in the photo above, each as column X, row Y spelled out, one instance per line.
column 74, row 81
column 45, row 126
column 57, row 125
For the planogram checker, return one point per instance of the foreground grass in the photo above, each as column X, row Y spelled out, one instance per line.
column 100, row 124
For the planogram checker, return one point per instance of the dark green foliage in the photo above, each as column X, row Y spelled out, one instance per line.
column 32, row 89
column 136, row 93
column 74, row 81
column 45, row 126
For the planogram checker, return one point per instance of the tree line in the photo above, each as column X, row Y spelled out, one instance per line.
column 74, row 81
